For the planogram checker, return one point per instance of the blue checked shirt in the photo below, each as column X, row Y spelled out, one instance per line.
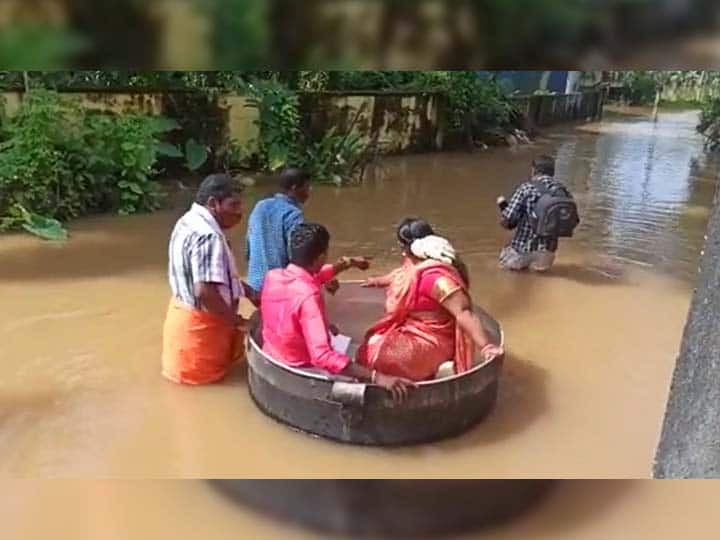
column 517, row 215
column 268, row 236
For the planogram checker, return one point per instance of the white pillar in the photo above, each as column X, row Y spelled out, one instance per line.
column 573, row 81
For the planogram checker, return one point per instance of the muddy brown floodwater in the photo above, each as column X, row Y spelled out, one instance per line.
column 187, row 510
column 591, row 346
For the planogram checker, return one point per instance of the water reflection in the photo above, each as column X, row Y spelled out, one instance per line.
column 117, row 510
column 645, row 189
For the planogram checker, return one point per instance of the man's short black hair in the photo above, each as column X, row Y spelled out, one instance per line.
column 544, row 165
column 293, row 178
column 307, row 242
column 219, row 186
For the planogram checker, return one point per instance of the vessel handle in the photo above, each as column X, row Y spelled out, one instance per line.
column 348, row 394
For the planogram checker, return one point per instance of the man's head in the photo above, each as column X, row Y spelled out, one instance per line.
column 296, row 184
column 543, row 166
column 220, row 194
column 309, row 244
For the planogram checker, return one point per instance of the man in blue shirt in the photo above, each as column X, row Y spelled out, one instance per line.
column 270, row 224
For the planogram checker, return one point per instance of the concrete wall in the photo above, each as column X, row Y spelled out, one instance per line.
column 546, row 110
column 396, row 122
column 118, row 103
column 227, row 116
column 11, row 101
column 241, row 126
column 415, row 122
column 115, row 102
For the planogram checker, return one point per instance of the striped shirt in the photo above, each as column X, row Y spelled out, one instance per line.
column 199, row 253
column 268, row 236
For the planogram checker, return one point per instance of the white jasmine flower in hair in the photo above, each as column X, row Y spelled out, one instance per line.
column 434, row 247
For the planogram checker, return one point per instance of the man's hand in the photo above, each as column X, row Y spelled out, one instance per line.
column 334, row 330
column 491, row 351
column 212, row 301
column 251, row 294
column 397, row 386
column 502, row 203
column 241, row 322
column 332, row 286
column 361, row 263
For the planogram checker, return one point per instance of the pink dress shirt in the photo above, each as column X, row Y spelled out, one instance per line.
column 295, row 329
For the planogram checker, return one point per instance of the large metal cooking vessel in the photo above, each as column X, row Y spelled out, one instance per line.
column 340, row 409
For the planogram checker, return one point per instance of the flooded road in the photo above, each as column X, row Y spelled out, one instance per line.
column 187, row 510
column 591, row 346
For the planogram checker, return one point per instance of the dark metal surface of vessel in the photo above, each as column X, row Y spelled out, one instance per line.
column 343, row 410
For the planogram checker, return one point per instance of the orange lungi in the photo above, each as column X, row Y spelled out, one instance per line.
column 198, row 347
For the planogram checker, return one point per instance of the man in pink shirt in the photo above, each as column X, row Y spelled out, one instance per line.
column 295, row 327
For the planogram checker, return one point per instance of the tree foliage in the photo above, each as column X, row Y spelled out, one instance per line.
column 59, row 161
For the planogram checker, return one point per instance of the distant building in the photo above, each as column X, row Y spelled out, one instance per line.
column 528, row 82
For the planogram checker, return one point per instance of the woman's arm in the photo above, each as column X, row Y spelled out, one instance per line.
column 397, row 386
column 460, row 307
column 379, row 281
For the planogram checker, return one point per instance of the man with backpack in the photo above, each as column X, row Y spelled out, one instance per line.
column 541, row 211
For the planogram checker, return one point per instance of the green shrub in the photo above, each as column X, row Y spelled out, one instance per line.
column 120, row 161
column 473, row 103
column 337, row 158
column 280, row 139
column 643, row 88
column 59, row 161
column 39, row 159
column 709, row 124
column 233, row 156
column 468, row 96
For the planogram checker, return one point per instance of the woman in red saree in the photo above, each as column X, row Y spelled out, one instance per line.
column 429, row 318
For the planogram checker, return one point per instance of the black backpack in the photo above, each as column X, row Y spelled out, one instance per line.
column 555, row 213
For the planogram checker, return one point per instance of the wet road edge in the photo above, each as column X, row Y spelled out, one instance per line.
column 690, row 441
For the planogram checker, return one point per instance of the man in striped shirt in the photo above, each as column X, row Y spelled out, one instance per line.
column 202, row 336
